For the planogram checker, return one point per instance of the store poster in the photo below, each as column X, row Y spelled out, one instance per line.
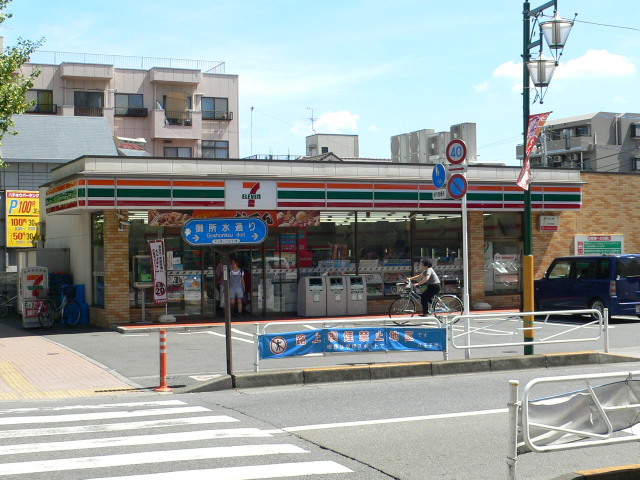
column 273, row 218
column 192, row 284
column 158, row 259
column 23, row 217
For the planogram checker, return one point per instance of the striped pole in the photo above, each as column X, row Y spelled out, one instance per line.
column 163, row 364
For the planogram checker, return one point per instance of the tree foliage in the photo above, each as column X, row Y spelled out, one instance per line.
column 13, row 82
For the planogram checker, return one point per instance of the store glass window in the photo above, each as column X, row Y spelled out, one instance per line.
column 97, row 258
column 503, row 252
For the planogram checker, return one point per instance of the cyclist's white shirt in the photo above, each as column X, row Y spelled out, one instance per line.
column 433, row 277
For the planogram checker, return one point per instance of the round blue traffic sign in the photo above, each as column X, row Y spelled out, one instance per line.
column 457, row 186
column 439, row 175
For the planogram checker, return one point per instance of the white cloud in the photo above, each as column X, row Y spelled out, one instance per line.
column 509, row 69
column 596, row 63
column 482, row 87
column 619, row 99
column 374, row 128
column 329, row 122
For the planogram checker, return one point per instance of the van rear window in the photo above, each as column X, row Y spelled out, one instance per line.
column 629, row 267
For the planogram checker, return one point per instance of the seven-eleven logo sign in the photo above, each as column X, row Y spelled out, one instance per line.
column 253, row 194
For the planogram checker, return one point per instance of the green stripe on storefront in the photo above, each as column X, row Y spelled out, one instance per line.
column 395, row 195
column 486, row 197
column 143, row 193
column 562, row 197
column 198, row 193
column 351, row 195
column 101, row 192
column 301, row 195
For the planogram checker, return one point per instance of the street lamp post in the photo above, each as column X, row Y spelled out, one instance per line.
column 539, row 71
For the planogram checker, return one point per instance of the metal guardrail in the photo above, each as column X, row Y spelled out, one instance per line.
column 603, row 408
column 500, row 319
column 382, row 321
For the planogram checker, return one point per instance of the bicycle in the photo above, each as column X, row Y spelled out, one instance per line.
column 68, row 312
column 7, row 303
column 408, row 303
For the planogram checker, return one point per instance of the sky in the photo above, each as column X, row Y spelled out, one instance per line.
column 369, row 68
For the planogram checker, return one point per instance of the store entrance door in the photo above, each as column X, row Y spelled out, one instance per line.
column 274, row 272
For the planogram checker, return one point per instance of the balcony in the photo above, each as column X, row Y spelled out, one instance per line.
column 130, row 112
column 88, row 111
column 217, row 115
column 178, row 118
column 185, row 124
column 44, row 108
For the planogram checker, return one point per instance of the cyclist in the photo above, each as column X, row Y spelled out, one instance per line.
column 428, row 276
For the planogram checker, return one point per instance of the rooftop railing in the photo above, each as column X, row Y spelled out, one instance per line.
column 119, row 61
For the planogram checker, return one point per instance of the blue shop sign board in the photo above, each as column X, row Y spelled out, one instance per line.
column 224, row 231
column 352, row 340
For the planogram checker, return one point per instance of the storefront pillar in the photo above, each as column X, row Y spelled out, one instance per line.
column 476, row 257
column 116, row 270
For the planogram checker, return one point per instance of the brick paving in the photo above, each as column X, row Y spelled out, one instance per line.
column 33, row 367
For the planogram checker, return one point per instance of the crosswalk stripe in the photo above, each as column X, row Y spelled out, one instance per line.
column 114, row 427
column 254, row 472
column 146, row 457
column 161, row 403
column 133, row 440
column 80, row 417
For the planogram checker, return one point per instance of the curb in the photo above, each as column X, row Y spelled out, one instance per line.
column 384, row 371
column 626, row 472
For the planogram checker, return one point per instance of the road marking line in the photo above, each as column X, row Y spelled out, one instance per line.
column 383, row 421
column 81, row 417
column 116, row 427
column 165, row 456
column 164, row 403
column 254, row 472
column 133, row 440
column 235, row 338
column 248, row 334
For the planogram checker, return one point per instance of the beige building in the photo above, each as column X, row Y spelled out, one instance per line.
column 166, row 107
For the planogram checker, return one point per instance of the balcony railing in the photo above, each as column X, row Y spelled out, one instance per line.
column 217, row 115
column 178, row 118
column 88, row 111
column 46, row 108
column 130, row 112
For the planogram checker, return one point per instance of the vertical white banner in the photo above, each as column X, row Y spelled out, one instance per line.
column 158, row 260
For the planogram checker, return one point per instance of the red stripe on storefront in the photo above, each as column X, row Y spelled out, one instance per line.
column 350, row 204
column 197, row 204
column 300, row 205
column 143, row 203
column 101, row 203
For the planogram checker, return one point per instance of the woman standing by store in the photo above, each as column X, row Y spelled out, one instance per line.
column 236, row 287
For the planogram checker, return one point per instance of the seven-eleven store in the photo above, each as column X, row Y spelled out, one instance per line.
column 377, row 220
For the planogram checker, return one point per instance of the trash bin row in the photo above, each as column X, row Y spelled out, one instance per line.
column 332, row 295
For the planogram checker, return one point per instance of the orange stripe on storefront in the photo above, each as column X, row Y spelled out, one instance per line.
column 198, row 183
column 350, row 186
column 95, row 181
column 379, row 186
column 300, row 185
column 145, row 183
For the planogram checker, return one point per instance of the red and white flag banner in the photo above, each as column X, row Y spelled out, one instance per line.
column 158, row 260
column 536, row 122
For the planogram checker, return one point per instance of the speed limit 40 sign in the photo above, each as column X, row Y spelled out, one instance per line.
column 456, row 151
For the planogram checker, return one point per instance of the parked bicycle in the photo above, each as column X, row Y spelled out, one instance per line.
column 68, row 312
column 7, row 303
column 408, row 304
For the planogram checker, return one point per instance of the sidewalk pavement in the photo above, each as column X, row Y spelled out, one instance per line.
column 34, row 367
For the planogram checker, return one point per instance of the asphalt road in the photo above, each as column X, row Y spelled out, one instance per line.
column 197, row 355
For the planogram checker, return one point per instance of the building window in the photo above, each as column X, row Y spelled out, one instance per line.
column 214, row 108
column 215, row 149
column 177, row 108
column 43, row 101
column 177, row 152
column 88, row 104
column 130, row 105
column 325, row 149
column 582, row 131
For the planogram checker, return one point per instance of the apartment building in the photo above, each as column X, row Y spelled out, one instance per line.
column 166, row 107
column 597, row 142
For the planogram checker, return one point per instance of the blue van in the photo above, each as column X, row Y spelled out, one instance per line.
column 598, row 281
